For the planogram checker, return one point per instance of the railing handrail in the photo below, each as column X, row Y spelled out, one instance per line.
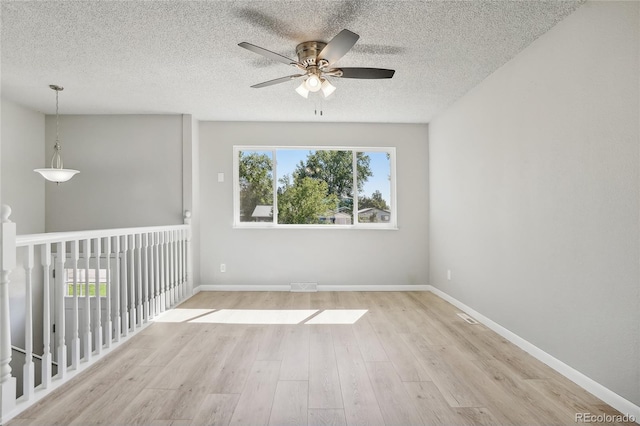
column 56, row 237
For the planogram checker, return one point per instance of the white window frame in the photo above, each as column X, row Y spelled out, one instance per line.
column 392, row 224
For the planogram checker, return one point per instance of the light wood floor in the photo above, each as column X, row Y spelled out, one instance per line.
column 410, row 360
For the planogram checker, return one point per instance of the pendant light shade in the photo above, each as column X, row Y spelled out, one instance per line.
column 57, row 173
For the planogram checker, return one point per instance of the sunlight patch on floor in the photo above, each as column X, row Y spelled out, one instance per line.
column 256, row 316
column 338, row 316
column 262, row 316
column 181, row 315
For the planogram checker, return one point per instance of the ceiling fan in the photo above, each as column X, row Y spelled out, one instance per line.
column 316, row 62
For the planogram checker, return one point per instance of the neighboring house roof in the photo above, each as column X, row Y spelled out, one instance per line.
column 370, row 209
column 262, row 211
column 340, row 214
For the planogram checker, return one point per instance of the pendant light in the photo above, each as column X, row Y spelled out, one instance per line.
column 56, row 173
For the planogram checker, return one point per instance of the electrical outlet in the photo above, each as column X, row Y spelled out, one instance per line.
column 223, row 267
column 220, row 177
column 449, row 274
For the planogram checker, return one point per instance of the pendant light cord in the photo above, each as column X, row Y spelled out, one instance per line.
column 56, row 159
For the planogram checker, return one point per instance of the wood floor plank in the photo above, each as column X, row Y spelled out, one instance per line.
column 434, row 409
column 403, row 360
column 324, row 382
column 271, row 347
column 326, row 417
column 256, row 399
column 216, row 410
column 360, row 403
column 515, row 386
column 452, row 385
column 295, row 353
column 113, row 401
column 368, row 341
column 143, row 408
column 235, row 369
column 185, row 403
column 290, row 403
column 396, row 406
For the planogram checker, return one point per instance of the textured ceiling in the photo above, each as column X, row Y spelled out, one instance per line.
column 182, row 57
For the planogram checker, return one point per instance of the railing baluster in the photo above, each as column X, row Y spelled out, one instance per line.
column 75, row 315
column 45, row 258
column 59, row 330
column 163, row 299
column 28, row 369
column 152, row 275
column 174, row 269
column 172, row 277
column 157, row 279
column 117, row 276
column 177, row 262
column 167, row 251
column 108, row 335
column 86, row 326
column 145, row 261
column 7, row 263
column 139, row 312
column 185, row 269
column 132, row 283
column 180, row 265
column 124, row 310
column 187, row 257
column 97, row 329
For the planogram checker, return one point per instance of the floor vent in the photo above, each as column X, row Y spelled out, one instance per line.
column 467, row 318
column 304, row 287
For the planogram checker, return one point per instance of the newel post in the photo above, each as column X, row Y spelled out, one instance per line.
column 189, row 257
column 7, row 263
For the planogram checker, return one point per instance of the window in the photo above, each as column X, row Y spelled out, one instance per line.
column 81, row 281
column 314, row 187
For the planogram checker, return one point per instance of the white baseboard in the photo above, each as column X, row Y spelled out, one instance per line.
column 613, row 399
column 390, row 287
column 243, row 287
column 287, row 287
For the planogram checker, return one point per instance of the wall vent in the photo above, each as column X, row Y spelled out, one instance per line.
column 304, row 287
column 467, row 318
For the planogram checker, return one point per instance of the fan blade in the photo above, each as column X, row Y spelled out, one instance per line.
column 267, row 53
column 367, row 73
column 338, row 46
column 277, row 81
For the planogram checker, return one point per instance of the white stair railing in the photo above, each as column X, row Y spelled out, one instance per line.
column 145, row 271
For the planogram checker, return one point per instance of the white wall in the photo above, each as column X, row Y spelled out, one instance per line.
column 534, row 183
column 325, row 256
column 22, row 151
column 130, row 172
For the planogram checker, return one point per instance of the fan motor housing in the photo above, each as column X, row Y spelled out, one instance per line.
column 308, row 51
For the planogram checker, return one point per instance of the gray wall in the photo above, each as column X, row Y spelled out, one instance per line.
column 23, row 138
column 325, row 256
column 130, row 172
column 534, row 183
column 22, row 151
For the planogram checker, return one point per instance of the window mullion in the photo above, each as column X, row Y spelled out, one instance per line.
column 275, row 187
column 355, row 187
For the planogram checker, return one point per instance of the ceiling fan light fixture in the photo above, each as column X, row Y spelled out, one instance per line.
column 302, row 90
column 327, row 88
column 313, row 83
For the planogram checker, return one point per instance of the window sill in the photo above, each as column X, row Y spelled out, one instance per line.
column 326, row 227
